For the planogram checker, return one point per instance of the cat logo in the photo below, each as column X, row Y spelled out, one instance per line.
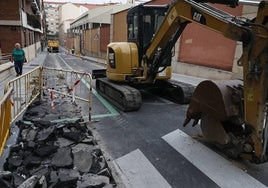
column 198, row 17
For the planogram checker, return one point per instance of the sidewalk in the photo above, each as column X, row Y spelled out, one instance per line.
column 7, row 71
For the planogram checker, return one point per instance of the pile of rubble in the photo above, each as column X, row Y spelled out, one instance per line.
column 52, row 155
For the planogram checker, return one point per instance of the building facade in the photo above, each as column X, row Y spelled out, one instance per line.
column 59, row 15
column 52, row 19
column 21, row 21
column 199, row 51
column 68, row 12
column 91, row 32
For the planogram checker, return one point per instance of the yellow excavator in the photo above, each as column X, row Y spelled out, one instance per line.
column 233, row 114
column 132, row 66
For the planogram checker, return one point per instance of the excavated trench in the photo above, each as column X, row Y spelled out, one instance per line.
column 53, row 153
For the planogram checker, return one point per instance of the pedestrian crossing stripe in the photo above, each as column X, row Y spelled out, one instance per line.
column 139, row 172
column 217, row 168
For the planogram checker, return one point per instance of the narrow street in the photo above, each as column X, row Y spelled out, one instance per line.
column 152, row 149
column 181, row 100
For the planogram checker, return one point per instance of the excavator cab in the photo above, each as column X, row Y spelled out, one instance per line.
column 143, row 21
column 126, row 61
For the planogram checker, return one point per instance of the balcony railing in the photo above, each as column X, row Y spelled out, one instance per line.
column 5, row 58
column 33, row 21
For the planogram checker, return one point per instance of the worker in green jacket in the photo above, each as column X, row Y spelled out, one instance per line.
column 18, row 56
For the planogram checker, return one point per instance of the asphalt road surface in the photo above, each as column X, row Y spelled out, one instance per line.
column 153, row 150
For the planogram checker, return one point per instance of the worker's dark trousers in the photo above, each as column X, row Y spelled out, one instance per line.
column 18, row 67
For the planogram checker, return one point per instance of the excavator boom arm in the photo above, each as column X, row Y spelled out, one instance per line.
column 187, row 11
column 254, row 96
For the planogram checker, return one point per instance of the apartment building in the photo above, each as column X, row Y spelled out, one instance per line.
column 21, row 21
column 52, row 19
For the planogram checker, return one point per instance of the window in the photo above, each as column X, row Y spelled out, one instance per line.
column 22, row 4
column 133, row 28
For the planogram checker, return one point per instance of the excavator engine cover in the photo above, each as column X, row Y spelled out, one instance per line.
column 215, row 103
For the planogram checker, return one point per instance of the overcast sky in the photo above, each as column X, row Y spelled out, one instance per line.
column 88, row 1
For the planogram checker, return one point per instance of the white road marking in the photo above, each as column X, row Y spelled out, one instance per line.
column 218, row 169
column 139, row 172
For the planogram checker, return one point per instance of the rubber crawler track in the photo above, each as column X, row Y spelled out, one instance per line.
column 124, row 97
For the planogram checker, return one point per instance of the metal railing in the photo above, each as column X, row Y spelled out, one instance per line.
column 22, row 91
column 5, row 58
column 26, row 89
column 61, row 84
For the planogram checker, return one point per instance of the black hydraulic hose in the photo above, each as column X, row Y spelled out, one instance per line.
column 171, row 44
column 250, row 43
column 258, row 25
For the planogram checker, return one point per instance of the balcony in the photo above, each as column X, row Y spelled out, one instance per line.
column 33, row 21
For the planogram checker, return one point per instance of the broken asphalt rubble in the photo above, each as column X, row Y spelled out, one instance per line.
column 55, row 155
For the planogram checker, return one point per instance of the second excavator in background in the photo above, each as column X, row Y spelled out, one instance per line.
column 53, row 46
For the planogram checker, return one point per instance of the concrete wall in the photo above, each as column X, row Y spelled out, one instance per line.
column 31, row 51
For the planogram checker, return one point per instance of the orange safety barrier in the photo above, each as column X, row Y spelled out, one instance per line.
column 5, row 117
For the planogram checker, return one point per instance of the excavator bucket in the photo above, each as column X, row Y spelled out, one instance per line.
column 216, row 105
